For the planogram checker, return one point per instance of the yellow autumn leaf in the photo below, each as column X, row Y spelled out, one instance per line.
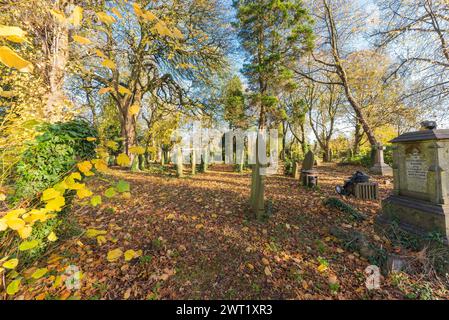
column 322, row 268
column 114, row 255
column 14, row 213
column 7, row 94
column 101, row 165
column 112, row 145
column 56, row 204
column 36, row 215
column 75, row 176
column 76, row 186
column 11, row 59
column 82, row 40
column 58, row 15
column 11, row 264
column 130, row 254
column 13, row 287
column 91, row 139
column 15, row 39
column 92, row 233
column 123, row 90
column 84, row 166
column 123, row 160
column 52, row 237
column 117, row 13
column 101, row 240
column 61, row 187
column 100, row 54
column 76, row 17
column 178, row 34
column 15, row 223
column 267, row 271
column 134, row 109
column 137, row 10
column 57, row 282
column 148, row 15
column 28, row 245
column 126, row 195
column 105, row 18
column 50, row 194
column 137, row 150
column 14, row 34
column 104, row 90
column 162, row 29
column 83, row 193
column 108, row 64
column 25, row 232
column 39, row 273
column 95, row 200
column 3, row 225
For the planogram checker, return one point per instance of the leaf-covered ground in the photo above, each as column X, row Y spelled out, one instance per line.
column 198, row 242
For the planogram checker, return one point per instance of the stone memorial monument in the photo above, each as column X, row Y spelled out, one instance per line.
column 380, row 167
column 295, row 170
column 308, row 174
column 420, row 199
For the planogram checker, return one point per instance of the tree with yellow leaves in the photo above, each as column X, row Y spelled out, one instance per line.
column 140, row 48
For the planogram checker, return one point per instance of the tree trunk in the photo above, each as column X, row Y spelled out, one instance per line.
column 327, row 157
column 58, row 55
column 128, row 134
column 163, row 158
column 358, row 134
column 284, row 138
column 142, row 161
column 341, row 72
column 303, row 141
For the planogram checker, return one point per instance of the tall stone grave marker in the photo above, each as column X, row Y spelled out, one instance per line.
column 307, row 168
column 380, row 167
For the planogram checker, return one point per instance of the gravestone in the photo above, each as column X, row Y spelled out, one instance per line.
column 307, row 168
column 380, row 167
column 420, row 198
column 308, row 162
column 295, row 170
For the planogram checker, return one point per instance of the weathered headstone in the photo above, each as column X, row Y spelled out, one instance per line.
column 193, row 161
column 295, row 170
column 179, row 161
column 307, row 169
column 420, row 198
column 308, row 162
column 380, row 167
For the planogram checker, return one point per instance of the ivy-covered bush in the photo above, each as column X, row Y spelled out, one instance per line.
column 51, row 155
column 288, row 164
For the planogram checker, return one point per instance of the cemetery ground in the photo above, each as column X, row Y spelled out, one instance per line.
column 193, row 239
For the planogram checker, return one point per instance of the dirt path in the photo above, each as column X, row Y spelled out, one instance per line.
column 197, row 242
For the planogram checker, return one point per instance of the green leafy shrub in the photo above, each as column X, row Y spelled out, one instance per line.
column 364, row 158
column 361, row 159
column 388, row 155
column 288, row 164
column 51, row 155
column 288, row 167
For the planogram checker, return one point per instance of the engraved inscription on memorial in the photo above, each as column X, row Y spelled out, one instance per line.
column 416, row 171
